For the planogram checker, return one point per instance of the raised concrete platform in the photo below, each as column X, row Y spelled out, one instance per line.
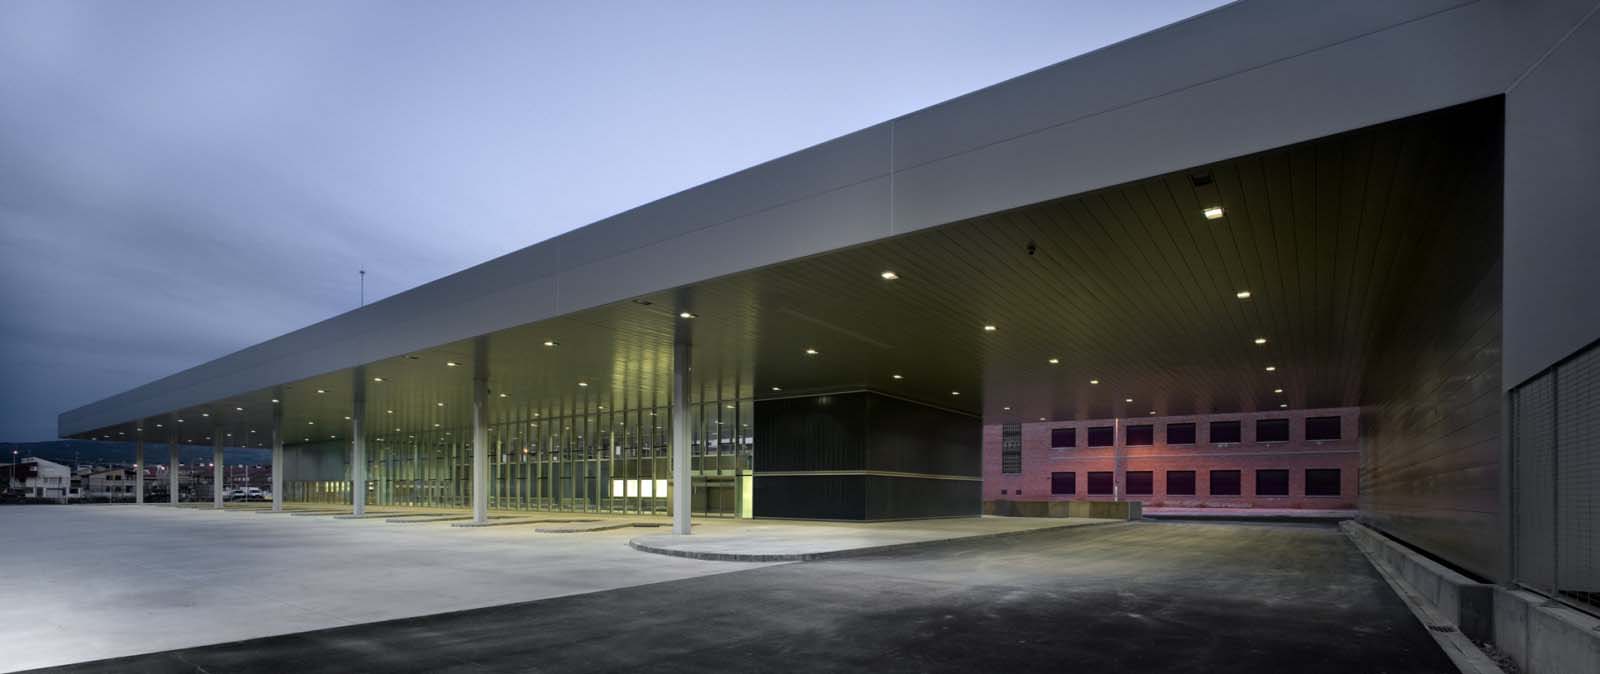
column 1250, row 514
column 127, row 580
column 763, row 541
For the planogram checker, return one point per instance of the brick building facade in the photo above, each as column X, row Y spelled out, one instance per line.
column 1288, row 459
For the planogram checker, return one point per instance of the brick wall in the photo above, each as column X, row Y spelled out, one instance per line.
column 1040, row 460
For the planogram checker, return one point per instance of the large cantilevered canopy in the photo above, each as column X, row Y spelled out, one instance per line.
column 1119, row 302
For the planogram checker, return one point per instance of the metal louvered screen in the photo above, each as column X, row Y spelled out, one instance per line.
column 1578, row 480
column 1555, row 445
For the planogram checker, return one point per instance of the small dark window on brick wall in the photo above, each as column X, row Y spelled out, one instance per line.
column 1272, row 430
column 1100, row 482
column 1224, row 483
column 1063, row 437
column 1141, row 435
column 1102, row 436
column 1272, row 482
column 1141, row 482
column 1180, row 483
column 1322, row 482
column 1063, row 483
column 1225, row 431
column 1322, row 428
column 1180, row 434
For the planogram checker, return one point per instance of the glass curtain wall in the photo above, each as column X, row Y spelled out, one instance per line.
column 604, row 458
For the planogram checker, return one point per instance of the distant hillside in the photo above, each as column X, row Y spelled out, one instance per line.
column 69, row 452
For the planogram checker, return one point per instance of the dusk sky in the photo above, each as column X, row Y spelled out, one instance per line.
column 179, row 180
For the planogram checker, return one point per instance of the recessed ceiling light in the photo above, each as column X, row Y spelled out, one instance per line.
column 205, row 414
column 347, row 418
column 238, row 409
column 551, row 343
column 685, row 314
column 1283, row 404
column 436, row 425
column 811, row 352
column 1094, row 381
column 274, row 401
column 897, row 376
column 1055, row 361
column 1243, row 294
column 1261, row 340
column 889, row 275
column 502, row 395
column 311, row 423
column 583, row 384
column 1007, row 408
column 377, row 379
column 160, row 426
column 1272, row 368
column 440, row 404
column 955, row 393
column 989, row 328
column 388, row 411
column 728, row 406
column 777, row 388
column 1277, row 390
column 180, row 421
column 1213, row 212
column 448, row 363
column 1152, row 412
column 1127, row 400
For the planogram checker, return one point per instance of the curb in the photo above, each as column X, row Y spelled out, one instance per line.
column 849, row 552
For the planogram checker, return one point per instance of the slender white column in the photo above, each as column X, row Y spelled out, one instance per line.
column 172, row 470
column 138, row 467
column 682, row 483
column 216, row 468
column 358, row 447
column 480, row 450
column 277, row 458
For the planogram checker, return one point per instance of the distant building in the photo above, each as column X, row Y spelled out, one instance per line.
column 115, row 484
column 36, row 478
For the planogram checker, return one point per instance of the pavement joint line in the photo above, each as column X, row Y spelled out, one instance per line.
column 1461, row 650
column 852, row 552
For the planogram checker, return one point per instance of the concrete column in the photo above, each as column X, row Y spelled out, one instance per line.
column 216, row 468
column 138, row 466
column 277, row 458
column 480, row 433
column 682, row 482
column 172, row 469
column 358, row 447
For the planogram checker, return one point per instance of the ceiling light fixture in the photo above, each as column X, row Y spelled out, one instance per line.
column 1213, row 212
column 1127, row 400
column 1007, row 408
column 1272, row 368
column 1094, row 382
column 1261, row 340
column 238, row 409
column 450, row 363
column 777, row 388
column 989, row 328
column 811, row 351
column 322, row 390
column 378, row 379
column 955, row 393
column 889, row 275
column 1283, row 404
column 502, row 395
column 440, row 404
column 1277, row 390
column 1055, row 361
column 551, row 343
column 274, row 401
column 897, row 376
column 1243, row 294
column 583, row 384
column 686, row 314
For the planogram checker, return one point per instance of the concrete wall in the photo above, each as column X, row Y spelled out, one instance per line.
column 1039, row 460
